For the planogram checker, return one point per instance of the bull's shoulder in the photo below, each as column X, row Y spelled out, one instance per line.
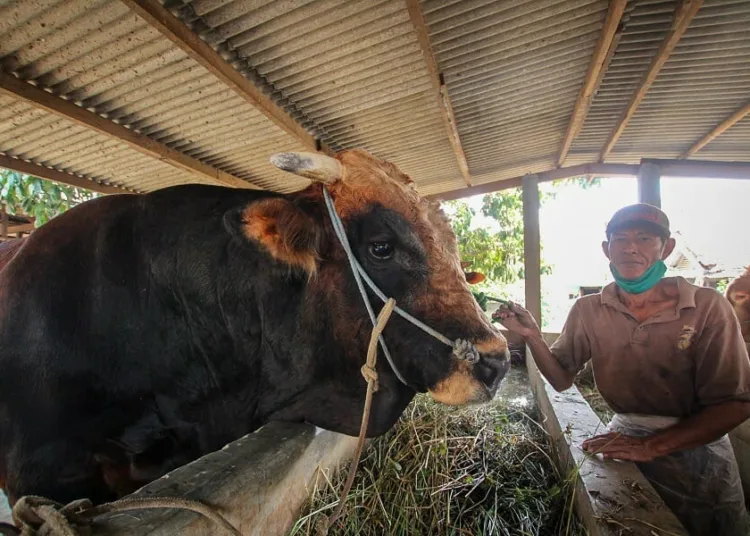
column 8, row 250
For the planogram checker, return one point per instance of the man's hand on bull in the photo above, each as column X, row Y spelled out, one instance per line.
column 516, row 319
column 617, row 446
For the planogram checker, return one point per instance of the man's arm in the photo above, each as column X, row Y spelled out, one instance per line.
column 704, row 427
column 520, row 321
column 548, row 364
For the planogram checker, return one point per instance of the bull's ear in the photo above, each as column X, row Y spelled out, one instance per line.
column 285, row 231
column 473, row 278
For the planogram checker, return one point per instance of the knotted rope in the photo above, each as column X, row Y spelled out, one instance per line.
column 371, row 376
column 39, row 516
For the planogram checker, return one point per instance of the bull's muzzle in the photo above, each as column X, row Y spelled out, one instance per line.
column 476, row 380
column 491, row 369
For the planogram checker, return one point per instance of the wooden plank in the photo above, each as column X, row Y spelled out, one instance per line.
column 708, row 169
column 441, row 90
column 532, row 253
column 649, row 184
column 171, row 27
column 21, row 228
column 58, row 176
column 610, row 170
column 47, row 101
column 605, row 48
column 718, row 130
column 683, row 16
column 4, row 222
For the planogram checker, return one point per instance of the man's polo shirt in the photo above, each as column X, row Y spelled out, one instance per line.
column 674, row 363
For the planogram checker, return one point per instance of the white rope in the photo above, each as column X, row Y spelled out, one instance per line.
column 462, row 349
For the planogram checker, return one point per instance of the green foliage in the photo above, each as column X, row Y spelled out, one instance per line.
column 582, row 182
column 37, row 197
column 721, row 285
column 481, row 298
column 496, row 250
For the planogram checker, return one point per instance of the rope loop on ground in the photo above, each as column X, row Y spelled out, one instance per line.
column 39, row 516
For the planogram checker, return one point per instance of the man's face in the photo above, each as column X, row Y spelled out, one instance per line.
column 635, row 249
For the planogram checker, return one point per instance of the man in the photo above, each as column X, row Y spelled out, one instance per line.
column 669, row 359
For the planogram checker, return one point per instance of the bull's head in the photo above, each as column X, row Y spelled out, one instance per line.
column 408, row 248
column 738, row 294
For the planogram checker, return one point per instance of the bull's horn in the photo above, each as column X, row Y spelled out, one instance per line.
column 314, row 166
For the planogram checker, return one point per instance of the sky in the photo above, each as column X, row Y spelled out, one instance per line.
column 712, row 214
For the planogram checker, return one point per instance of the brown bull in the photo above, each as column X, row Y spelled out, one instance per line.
column 738, row 294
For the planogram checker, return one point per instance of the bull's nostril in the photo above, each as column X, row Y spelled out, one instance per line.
column 492, row 369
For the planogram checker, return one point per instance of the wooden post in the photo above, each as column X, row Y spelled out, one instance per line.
column 649, row 184
column 532, row 247
column 4, row 222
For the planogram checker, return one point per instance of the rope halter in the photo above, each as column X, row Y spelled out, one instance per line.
column 462, row 348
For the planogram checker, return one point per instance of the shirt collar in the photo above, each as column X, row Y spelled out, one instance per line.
column 685, row 289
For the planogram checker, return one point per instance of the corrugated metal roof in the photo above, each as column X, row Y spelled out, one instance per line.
column 512, row 91
column 353, row 75
column 354, row 68
column 703, row 82
column 697, row 88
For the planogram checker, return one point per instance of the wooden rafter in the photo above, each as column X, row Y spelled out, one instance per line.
column 157, row 16
column 58, row 176
column 718, row 130
column 441, row 91
column 20, row 228
column 605, row 48
column 42, row 99
column 682, row 18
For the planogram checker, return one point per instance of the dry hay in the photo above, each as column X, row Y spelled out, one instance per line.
column 451, row 471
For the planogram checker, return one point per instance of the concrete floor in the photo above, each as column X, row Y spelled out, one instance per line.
column 515, row 391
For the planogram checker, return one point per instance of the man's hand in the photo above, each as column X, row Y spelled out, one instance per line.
column 615, row 445
column 517, row 319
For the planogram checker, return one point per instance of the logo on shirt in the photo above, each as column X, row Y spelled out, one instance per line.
column 685, row 338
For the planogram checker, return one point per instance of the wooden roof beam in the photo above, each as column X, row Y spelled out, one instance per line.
column 441, row 91
column 667, row 168
column 605, row 49
column 609, row 170
column 681, row 21
column 702, row 169
column 22, row 166
column 157, row 16
column 45, row 100
column 718, row 130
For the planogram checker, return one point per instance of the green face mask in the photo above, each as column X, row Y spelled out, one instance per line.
column 647, row 281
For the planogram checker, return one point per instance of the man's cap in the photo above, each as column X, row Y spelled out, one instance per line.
column 640, row 213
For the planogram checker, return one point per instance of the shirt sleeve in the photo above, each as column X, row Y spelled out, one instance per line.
column 573, row 348
column 722, row 364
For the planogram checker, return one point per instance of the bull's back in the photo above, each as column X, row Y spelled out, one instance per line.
column 8, row 250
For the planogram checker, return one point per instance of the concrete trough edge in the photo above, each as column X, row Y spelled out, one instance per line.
column 258, row 483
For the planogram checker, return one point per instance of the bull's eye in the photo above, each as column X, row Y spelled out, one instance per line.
column 381, row 250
